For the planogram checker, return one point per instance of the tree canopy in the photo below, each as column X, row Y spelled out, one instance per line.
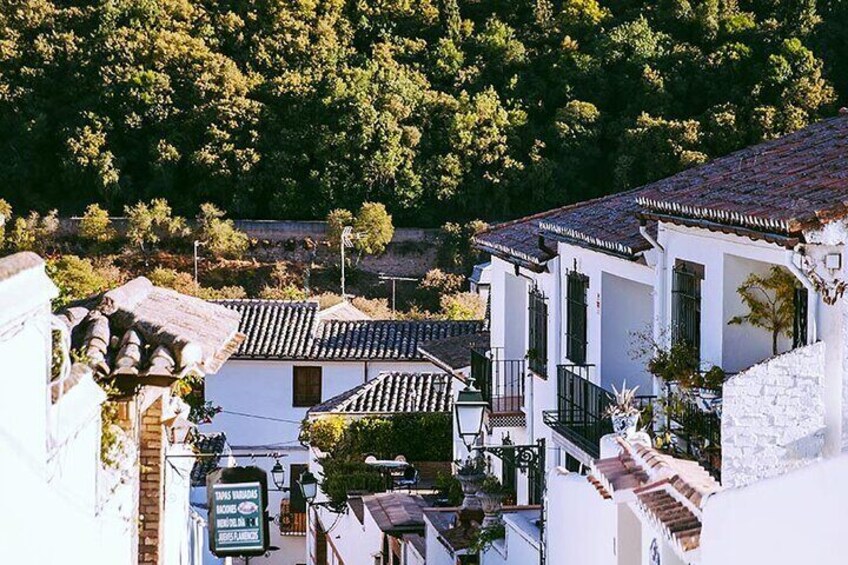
column 441, row 109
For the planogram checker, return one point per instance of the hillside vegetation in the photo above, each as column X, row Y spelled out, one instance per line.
column 441, row 109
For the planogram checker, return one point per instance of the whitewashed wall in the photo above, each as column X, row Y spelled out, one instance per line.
column 581, row 524
column 437, row 553
column 798, row 518
column 773, row 416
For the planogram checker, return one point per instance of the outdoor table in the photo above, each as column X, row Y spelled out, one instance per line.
column 389, row 468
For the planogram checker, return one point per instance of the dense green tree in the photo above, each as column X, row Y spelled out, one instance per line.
column 444, row 110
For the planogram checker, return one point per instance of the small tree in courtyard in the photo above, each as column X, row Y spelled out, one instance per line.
column 374, row 228
column 221, row 236
column 95, row 225
column 770, row 302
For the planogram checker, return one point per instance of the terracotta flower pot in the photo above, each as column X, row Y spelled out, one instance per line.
column 470, row 487
column 492, row 504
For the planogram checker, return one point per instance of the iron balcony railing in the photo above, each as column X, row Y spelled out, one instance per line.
column 581, row 415
column 501, row 381
column 696, row 433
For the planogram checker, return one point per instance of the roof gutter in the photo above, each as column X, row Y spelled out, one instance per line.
column 661, row 268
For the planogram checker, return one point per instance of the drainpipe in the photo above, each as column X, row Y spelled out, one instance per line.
column 659, row 290
column 812, row 316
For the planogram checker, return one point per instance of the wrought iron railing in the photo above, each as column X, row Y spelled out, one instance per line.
column 696, row 432
column 292, row 522
column 501, row 381
column 582, row 415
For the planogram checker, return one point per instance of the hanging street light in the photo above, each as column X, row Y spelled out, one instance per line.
column 278, row 475
column 470, row 408
column 440, row 384
column 308, row 486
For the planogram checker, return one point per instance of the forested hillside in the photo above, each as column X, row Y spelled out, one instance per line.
column 442, row 109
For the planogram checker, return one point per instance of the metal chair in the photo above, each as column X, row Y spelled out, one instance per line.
column 409, row 480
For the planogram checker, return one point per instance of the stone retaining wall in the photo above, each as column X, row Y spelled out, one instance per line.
column 773, row 417
column 273, row 230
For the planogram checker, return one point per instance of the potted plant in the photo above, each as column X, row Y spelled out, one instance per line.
column 707, row 385
column 771, row 303
column 623, row 411
column 470, row 475
column 491, row 499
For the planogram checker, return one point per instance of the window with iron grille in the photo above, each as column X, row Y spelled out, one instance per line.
column 306, row 386
column 537, row 355
column 799, row 324
column 686, row 304
column 577, row 307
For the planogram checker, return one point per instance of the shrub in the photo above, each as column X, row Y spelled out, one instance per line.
column 456, row 250
column 377, row 308
column 441, row 282
column 287, row 292
column 5, row 217
column 154, row 223
column 374, row 228
column 328, row 299
column 184, row 283
column 221, row 237
column 78, row 278
column 336, row 221
column 95, row 225
column 324, row 433
column 463, row 306
column 342, row 477
column 34, row 233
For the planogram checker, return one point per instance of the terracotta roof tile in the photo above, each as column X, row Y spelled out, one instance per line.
column 390, row 393
column 781, row 186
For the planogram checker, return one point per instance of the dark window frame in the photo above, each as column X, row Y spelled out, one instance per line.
column 686, row 281
column 537, row 334
column 306, row 395
column 801, row 303
column 577, row 317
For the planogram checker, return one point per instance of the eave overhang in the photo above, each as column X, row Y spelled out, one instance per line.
column 789, row 241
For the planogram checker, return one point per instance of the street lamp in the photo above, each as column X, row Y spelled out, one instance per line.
column 440, row 384
column 469, row 408
column 278, row 475
column 308, row 486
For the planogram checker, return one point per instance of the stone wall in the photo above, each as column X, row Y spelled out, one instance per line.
column 273, row 230
column 773, row 417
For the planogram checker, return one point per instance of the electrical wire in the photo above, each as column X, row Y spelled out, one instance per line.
column 260, row 417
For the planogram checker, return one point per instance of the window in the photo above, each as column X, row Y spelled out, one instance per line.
column 799, row 325
column 576, row 299
column 538, row 353
column 686, row 304
column 306, row 385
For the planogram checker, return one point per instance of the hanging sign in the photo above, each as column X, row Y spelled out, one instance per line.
column 238, row 520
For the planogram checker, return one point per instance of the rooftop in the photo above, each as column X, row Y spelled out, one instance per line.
column 786, row 185
column 454, row 353
column 390, row 393
column 783, row 186
column 669, row 492
column 278, row 329
column 142, row 334
column 395, row 512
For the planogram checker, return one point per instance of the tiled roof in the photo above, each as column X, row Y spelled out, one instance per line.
column 669, row 492
column 274, row 328
column 454, row 353
column 142, row 334
column 390, row 393
column 279, row 329
column 207, row 444
column 383, row 339
column 396, row 512
column 780, row 186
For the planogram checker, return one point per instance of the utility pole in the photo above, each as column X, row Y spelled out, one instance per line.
column 394, row 287
column 346, row 241
column 196, row 245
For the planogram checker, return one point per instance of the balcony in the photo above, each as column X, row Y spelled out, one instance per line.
column 501, row 381
column 580, row 416
column 292, row 522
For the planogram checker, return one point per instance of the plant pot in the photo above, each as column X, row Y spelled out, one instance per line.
column 625, row 425
column 470, row 487
column 492, row 504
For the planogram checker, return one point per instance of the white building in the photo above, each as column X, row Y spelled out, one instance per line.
column 100, row 503
column 296, row 357
column 571, row 287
